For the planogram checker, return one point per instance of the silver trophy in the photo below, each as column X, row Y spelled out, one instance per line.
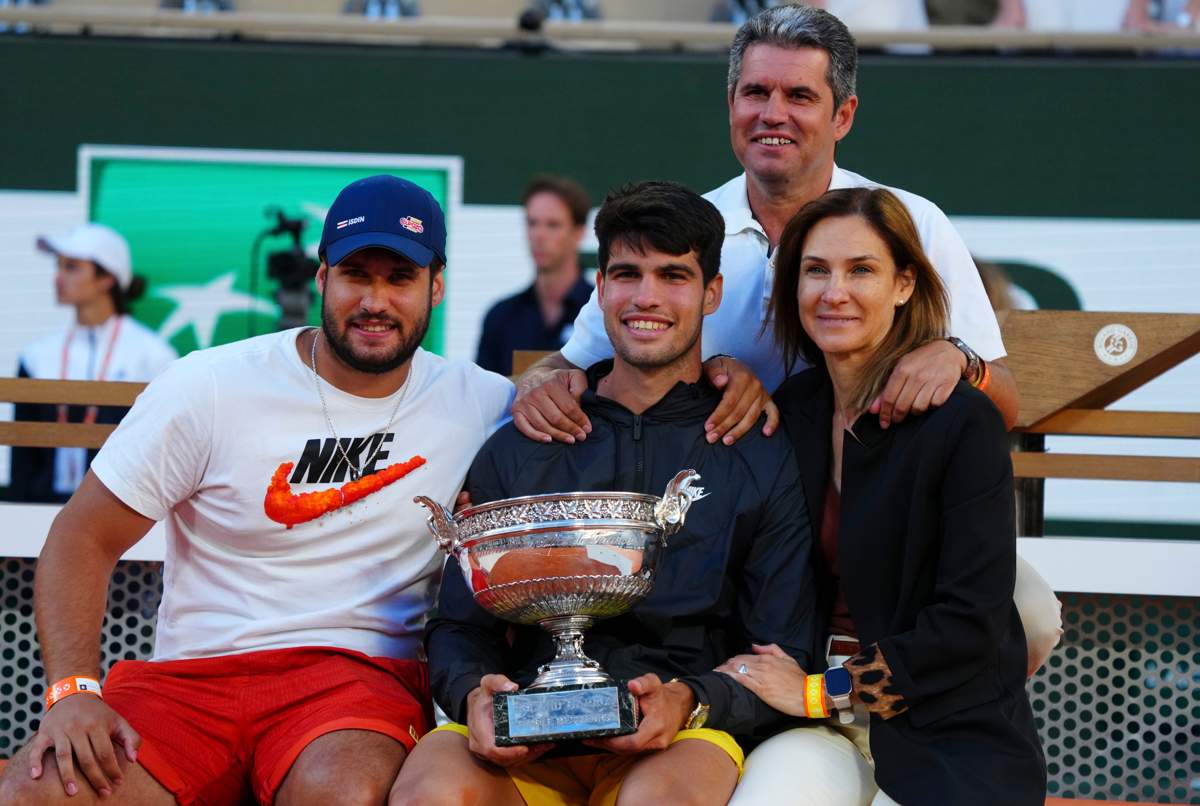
column 562, row 561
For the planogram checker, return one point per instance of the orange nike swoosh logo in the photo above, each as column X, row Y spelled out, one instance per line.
column 284, row 506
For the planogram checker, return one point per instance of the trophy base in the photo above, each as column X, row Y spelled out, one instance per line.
column 585, row 711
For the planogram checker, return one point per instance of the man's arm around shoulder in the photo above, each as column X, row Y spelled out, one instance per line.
column 547, row 403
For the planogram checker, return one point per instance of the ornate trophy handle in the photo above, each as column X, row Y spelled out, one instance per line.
column 440, row 523
column 679, row 496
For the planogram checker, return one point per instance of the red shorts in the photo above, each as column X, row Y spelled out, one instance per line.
column 215, row 729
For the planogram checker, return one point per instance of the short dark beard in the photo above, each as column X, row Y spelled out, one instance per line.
column 659, row 362
column 410, row 340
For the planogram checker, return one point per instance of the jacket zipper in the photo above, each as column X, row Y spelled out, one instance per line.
column 639, row 454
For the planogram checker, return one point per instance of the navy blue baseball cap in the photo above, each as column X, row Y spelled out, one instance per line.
column 388, row 212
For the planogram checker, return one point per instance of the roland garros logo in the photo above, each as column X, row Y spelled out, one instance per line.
column 1115, row 344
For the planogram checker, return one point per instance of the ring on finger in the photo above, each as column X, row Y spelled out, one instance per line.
column 742, row 669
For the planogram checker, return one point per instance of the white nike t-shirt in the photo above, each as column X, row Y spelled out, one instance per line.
column 199, row 449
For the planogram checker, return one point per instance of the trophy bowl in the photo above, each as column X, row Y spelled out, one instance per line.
column 562, row 561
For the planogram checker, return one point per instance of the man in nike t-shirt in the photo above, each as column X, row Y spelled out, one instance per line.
column 298, row 571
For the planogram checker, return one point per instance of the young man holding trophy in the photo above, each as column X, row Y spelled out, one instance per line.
column 642, row 605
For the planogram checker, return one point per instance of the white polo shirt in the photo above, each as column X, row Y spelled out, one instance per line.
column 736, row 327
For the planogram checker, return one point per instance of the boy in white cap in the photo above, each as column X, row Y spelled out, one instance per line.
column 101, row 343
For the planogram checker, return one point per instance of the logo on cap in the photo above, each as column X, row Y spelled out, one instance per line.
column 412, row 224
column 351, row 221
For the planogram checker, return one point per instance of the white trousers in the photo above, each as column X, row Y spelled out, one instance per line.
column 825, row 764
column 829, row 764
column 1040, row 612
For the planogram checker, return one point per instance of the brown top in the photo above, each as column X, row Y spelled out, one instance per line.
column 840, row 622
column 873, row 683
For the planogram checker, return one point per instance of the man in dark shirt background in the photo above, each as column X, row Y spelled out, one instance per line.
column 540, row 317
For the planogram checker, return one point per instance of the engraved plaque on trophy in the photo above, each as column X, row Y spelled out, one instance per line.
column 562, row 561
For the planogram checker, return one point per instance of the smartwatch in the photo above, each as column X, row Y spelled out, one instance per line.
column 974, row 362
column 838, row 686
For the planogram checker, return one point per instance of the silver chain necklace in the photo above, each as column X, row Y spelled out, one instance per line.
column 355, row 471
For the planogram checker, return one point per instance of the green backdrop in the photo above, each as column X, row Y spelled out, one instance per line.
column 196, row 249
column 981, row 135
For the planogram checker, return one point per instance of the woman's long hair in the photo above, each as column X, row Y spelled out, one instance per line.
column 923, row 318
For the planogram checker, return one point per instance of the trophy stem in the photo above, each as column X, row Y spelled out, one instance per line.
column 571, row 666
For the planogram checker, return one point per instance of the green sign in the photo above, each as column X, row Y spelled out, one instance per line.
column 197, row 222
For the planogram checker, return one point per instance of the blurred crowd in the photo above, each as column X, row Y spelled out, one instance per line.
column 1032, row 15
column 1096, row 16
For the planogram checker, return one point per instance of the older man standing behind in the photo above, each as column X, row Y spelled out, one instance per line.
column 791, row 97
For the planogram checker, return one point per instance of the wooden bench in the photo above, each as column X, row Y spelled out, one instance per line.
column 79, row 393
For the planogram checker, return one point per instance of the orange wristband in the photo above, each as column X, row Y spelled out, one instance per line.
column 71, row 685
column 985, row 377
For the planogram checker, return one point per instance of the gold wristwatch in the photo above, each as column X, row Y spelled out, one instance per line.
column 699, row 714
column 697, row 717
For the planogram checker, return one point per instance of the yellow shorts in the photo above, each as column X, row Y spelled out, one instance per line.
column 593, row 779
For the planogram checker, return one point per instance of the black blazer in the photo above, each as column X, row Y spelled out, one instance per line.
column 927, row 551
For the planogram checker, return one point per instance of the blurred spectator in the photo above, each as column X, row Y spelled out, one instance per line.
column 102, row 343
column 1062, row 15
column 877, row 15
column 198, row 6
column 738, row 11
column 17, row 27
column 858, row 15
column 1098, row 15
column 1163, row 15
column 868, row 15
column 961, row 12
column 566, row 9
column 541, row 316
column 382, row 9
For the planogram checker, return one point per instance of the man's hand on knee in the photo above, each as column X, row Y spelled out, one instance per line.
column 481, row 738
column 82, row 729
column 665, row 708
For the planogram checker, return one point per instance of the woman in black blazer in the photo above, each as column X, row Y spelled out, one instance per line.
column 918, row 546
